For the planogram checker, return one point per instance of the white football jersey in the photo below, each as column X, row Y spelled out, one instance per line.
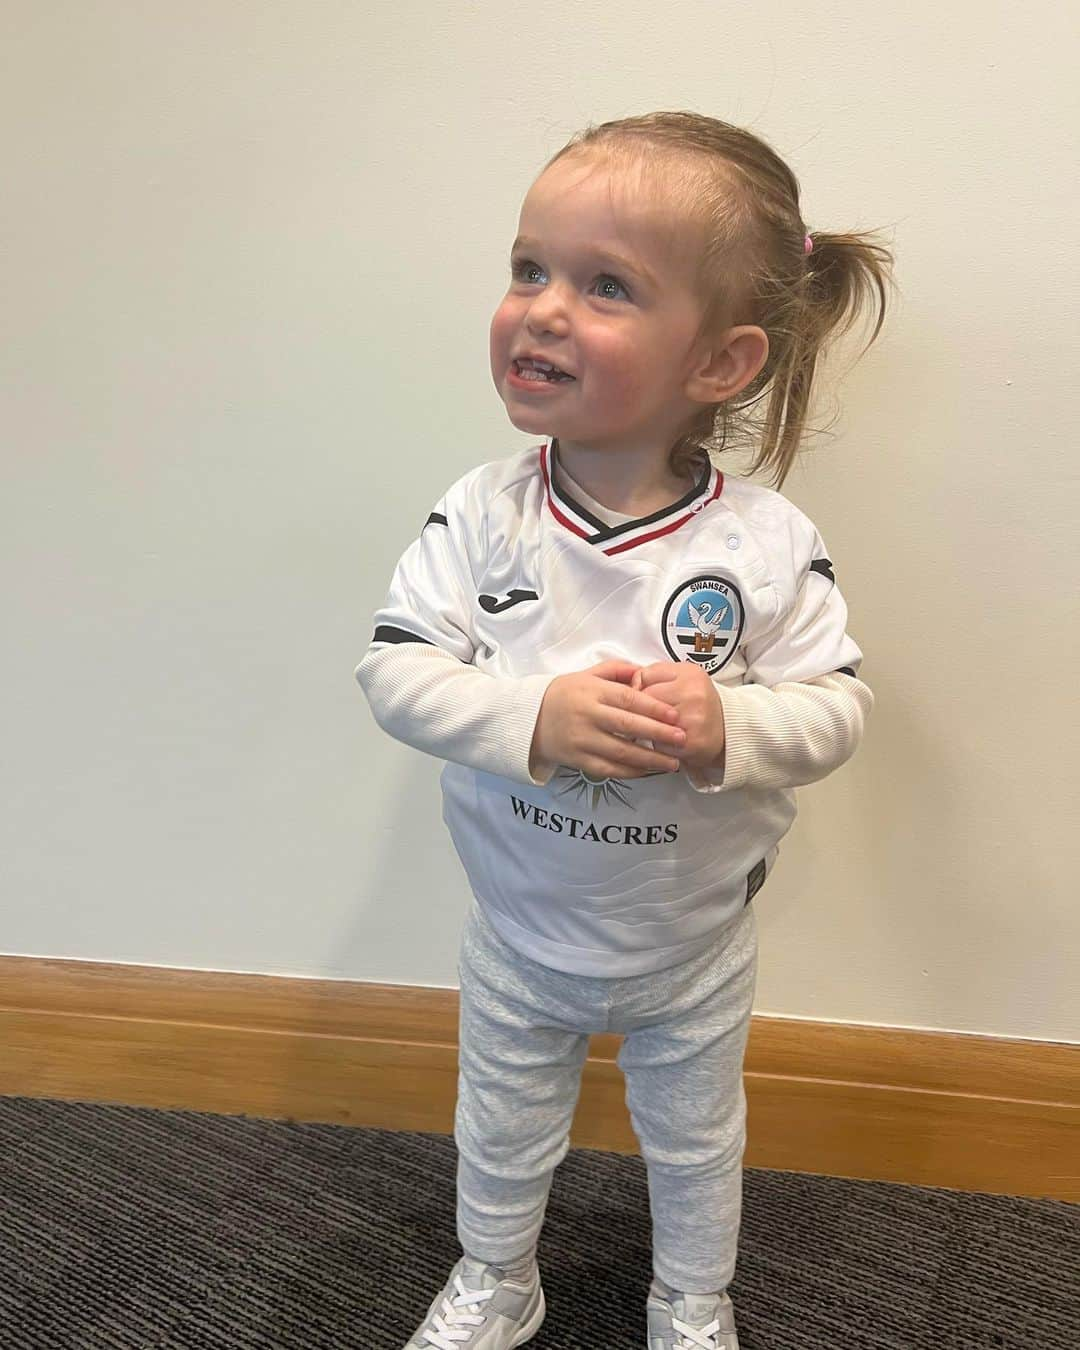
column 513, row 576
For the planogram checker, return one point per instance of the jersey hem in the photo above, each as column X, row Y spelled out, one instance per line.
column 612, row 965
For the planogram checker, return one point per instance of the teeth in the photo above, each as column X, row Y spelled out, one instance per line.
column 527, row 361
column 529, row 368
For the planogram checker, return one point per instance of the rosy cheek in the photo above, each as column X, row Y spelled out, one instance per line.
column 617, row 366
column 498, row 340
column 504, row 323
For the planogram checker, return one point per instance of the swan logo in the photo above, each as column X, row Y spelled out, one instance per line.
column 703, row 622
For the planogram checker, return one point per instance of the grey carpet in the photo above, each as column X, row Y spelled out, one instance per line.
column 126, row 1227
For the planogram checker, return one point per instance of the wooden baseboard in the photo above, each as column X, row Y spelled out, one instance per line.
column 927, row 1108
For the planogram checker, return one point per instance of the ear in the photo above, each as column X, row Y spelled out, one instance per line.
column 727, row 364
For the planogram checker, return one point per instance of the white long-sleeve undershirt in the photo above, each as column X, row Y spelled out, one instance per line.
column 794, row 733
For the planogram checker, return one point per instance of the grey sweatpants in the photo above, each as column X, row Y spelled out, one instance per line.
column 524, row 1032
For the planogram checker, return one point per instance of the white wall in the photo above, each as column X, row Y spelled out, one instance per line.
column 252, row 251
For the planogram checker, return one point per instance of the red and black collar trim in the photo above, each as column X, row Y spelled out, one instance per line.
column 618, row 538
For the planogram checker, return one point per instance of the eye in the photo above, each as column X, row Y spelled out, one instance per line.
column 608, row 288
column 522, row 269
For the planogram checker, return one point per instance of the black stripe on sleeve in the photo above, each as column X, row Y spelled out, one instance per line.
column 436, row 519
column 755, row 881
column 387, row 633
column 825, row 567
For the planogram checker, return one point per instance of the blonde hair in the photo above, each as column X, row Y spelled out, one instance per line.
column 753, row 269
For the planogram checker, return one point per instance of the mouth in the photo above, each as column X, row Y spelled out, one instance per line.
column 538, row 372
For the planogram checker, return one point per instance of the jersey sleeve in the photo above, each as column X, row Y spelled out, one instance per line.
column 417, row 674
column 430, row 595
column 801, row 710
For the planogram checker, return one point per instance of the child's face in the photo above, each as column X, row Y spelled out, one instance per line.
column 600, row 289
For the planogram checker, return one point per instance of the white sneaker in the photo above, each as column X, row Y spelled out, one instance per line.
column 483, row 1309
column 690, row 1321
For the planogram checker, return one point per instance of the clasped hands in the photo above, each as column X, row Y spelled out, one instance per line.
column 593, row 719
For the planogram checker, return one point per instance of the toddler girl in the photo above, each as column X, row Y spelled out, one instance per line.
column 629, row 661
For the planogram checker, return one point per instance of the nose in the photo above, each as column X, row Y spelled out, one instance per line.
column 548, row 312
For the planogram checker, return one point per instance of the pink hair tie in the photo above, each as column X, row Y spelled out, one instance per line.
column 808, row 244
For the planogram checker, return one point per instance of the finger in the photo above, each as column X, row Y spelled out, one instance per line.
column 625, row 774
column 622, row 672
column 627, row 756
column 644, row 705
column 619, row 722
column 635, row 683
column 659, row 673
column 599, row 769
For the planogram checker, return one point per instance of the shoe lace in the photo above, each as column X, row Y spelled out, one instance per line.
column 696, row 1338
column 458, row 1314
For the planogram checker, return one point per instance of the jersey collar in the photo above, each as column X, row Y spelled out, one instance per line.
column 612, row 539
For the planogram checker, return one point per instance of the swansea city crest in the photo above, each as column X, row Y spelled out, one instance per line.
column 703, row 622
